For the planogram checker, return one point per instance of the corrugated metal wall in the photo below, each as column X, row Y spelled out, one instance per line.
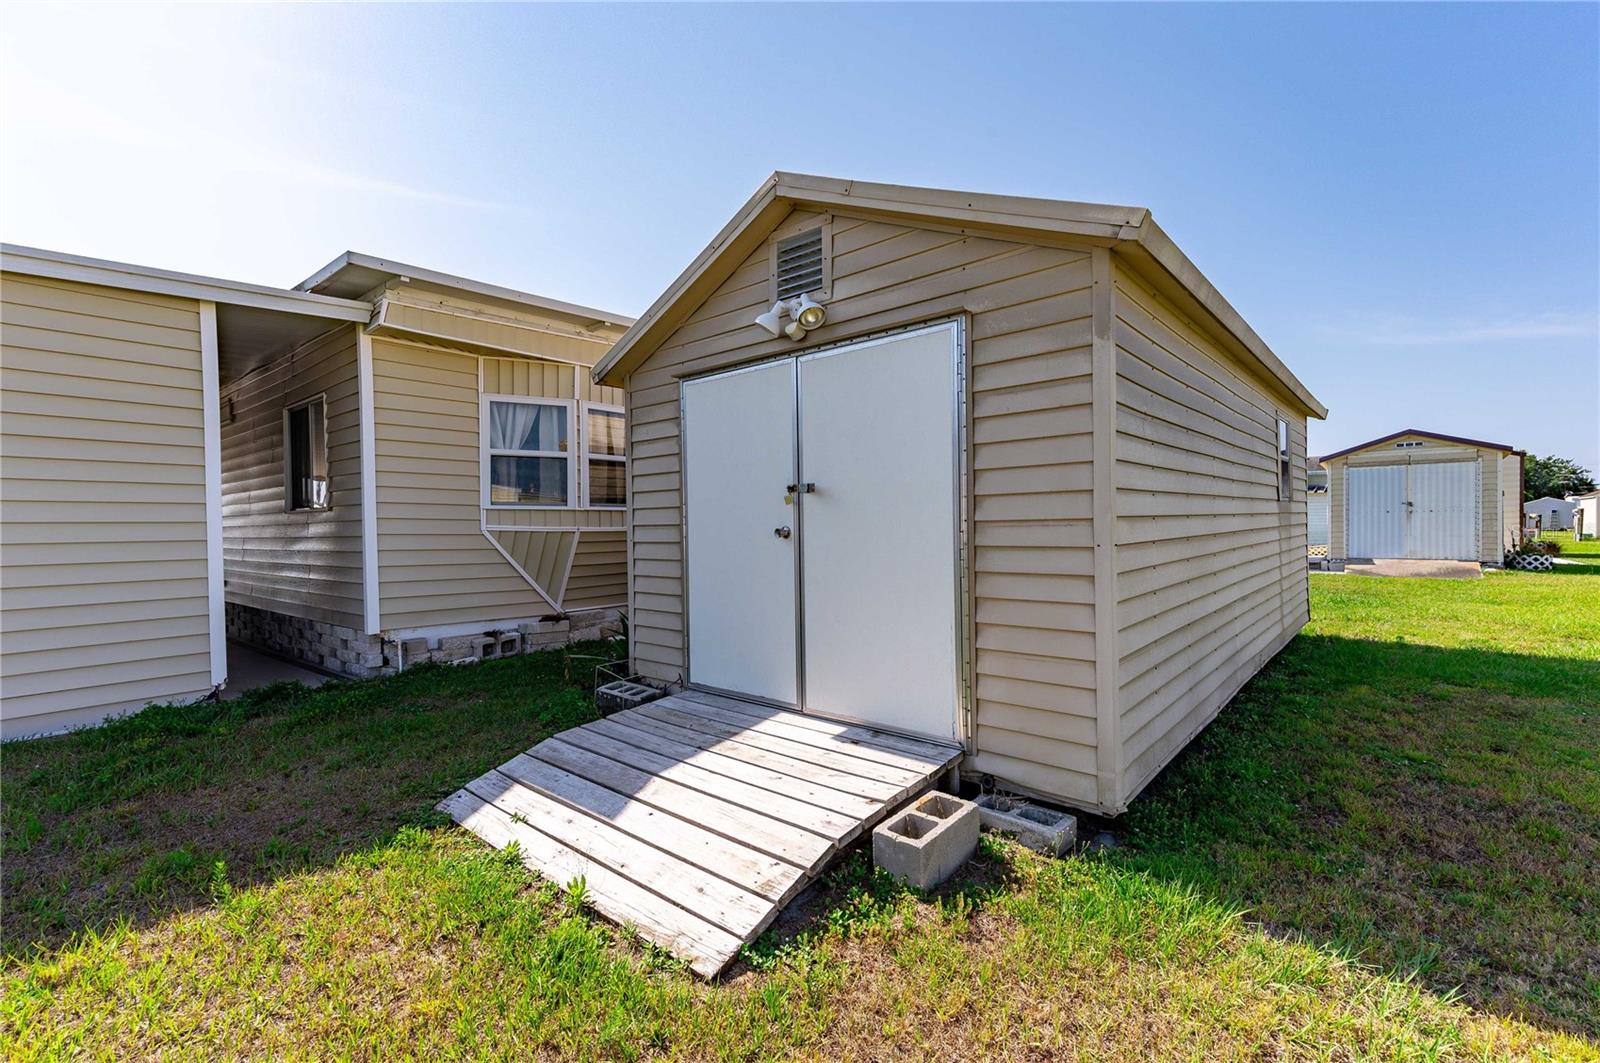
column 1444, row 511
column 1376, row 511
column 1424, row 511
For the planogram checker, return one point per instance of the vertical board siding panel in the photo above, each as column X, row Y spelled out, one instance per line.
column 103, row 547
column 1028, row 308
column 307, row 563
column 1214, row 577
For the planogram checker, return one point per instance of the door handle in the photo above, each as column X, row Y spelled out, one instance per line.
column 783, row 532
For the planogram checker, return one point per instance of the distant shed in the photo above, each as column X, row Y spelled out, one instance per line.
column 1425, row 496
column 1033, row 486
column 1555, row 514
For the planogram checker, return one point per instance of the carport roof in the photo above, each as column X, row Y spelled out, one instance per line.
column 1131, row 231
column 1392, row 436
column 353, row 275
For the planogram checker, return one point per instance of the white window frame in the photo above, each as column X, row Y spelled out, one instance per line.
column 620, row 459
column 288, row 462
column 1283, row 443
column 571, row 454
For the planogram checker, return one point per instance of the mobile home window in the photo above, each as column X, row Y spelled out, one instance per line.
column 529, row 454
column 1283, row 460
column 305, row 455
column 605, row 456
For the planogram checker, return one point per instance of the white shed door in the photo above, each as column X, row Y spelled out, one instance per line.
column 1375, row 509
column 1427, row 511
column 738, row 456
column 1444, row 511
column 878, row 552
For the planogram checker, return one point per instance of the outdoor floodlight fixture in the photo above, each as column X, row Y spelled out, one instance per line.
column 804, row 312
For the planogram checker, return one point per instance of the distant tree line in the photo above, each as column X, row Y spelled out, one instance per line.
column 1553, row 477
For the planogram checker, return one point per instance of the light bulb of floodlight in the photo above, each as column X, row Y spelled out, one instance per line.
column 795, row 331
column 809, row 313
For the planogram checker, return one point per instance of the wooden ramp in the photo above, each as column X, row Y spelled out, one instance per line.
column 696, row 818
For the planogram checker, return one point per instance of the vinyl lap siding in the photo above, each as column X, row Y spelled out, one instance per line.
column 103, row 543
column 1030, row 453
column 306, row 563
column 1211, row 568
column 1511, row 503
column 435, row 564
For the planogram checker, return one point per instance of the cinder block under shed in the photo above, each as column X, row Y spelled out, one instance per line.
column 926, row 844
column 1041, row 829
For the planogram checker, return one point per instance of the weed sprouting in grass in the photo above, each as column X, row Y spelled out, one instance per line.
column 577, row 895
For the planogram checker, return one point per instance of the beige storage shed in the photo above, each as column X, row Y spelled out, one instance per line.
column 1424, row 496
column 1008, row 473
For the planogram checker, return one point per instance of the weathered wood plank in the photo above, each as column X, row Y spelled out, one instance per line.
column 650, row 729
column 742, row 834
column 716, row 901
column 836, row 759
column 925, row 755
column 707, row 948
column 548, row 770
column 698, row 770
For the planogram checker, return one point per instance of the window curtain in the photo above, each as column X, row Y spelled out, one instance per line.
column 523, row 426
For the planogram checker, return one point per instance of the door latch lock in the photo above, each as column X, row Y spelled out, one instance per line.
column 802, row 489
column 783, row 532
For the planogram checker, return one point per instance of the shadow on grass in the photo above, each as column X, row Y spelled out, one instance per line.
column 160, row 811
column 1434, row 812
column 854, row 897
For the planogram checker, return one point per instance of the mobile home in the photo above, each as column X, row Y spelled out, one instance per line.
column 383, row 460
column 1007, row 473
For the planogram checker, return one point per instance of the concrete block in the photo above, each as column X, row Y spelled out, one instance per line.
column 623, row 694
column 507, row 644
column 414, row 650
column 545, row 635
column 1041, row 829
column 925, row 845
column 462, row 647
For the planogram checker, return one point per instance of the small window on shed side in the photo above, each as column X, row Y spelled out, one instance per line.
column 1283, row 460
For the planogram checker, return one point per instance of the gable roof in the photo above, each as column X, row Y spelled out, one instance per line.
column 352, row 275
column 1507, row 447
column 1131, row 231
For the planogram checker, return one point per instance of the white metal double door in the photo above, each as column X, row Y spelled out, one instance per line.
column 820, row 502
column 1425, row 511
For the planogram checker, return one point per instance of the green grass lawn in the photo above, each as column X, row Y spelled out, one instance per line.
column 1385, row 848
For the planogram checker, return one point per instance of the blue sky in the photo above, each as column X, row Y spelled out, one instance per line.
column 1401, row 199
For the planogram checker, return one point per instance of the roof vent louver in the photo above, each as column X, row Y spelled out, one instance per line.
column 800, row 264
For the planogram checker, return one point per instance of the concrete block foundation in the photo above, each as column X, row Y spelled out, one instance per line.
column 926, row 844
column 346, row 651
